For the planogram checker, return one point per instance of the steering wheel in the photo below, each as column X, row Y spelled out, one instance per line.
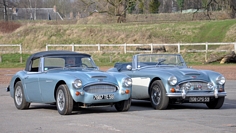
column 84, row 65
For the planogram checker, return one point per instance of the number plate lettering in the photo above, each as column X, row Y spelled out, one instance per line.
column 199, row 99
column 103, row 96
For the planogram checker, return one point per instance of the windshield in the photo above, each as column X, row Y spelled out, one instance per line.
column 68, row 62
column 159, row 59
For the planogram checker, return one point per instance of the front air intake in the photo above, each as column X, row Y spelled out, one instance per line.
column 104, row 88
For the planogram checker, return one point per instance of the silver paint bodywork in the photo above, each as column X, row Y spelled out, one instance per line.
column 143, row 76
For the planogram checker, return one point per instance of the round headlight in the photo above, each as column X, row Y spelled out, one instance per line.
column 220, row 80
column 172, row 80
column 77, row 83
column 127, row 82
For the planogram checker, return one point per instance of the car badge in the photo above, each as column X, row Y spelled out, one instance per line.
column 100, row 80
column 194, row 77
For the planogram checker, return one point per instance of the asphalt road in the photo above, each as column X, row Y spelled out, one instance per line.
column 141, row 118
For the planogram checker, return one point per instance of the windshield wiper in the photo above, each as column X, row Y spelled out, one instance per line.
column 160, row 61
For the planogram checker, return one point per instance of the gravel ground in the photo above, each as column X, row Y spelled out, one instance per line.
column 228, row 71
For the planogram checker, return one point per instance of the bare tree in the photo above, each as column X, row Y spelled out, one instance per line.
column 6, row 4
column 232, row 4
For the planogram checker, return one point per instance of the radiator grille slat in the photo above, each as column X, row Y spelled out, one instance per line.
column 196, row 86
column 100, row 88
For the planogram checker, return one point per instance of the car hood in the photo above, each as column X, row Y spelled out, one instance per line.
column 88, row 76
column 181, row 73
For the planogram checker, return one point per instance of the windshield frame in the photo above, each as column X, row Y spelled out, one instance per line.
column 92, row 65
column 140, row 61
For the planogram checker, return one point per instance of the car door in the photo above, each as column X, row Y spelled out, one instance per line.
column 140, row 83
column 48, row 80
column 47, row 84
column 32, row 87
column 31, row 83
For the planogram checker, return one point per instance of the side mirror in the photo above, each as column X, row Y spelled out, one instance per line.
column 129, row 67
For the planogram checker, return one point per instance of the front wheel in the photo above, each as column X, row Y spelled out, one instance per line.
column 19, row 97
column 64, row 100
column 158, row 97
column 216, row 104
column 123, row 105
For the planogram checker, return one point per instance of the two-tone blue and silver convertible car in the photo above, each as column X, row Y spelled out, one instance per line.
column 68, row 79
column 165, row 79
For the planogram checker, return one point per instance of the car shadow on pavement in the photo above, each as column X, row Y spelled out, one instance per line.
column 146, row 105
column 136, row 105
column 76, row 110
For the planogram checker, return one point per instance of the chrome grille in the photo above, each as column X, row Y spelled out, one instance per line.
column 101, row 88
column 195, row 86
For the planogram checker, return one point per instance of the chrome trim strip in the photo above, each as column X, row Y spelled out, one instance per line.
column 211, row 94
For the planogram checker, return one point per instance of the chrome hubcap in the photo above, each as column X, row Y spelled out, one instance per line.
column 60, row 100
column 18, row 95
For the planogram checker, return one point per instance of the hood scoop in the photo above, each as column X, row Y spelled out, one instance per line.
column 99, row 77
column 189, row 72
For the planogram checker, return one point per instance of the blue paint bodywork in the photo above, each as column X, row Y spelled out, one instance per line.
column 40, row 85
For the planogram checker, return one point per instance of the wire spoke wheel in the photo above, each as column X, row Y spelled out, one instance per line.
column 64, row 100
column 18, row 95
column 61, row 100
column 19, row 98
column 158, row 96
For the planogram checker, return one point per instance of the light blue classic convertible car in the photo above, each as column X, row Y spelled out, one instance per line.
column 68, row 79
column 165, row 79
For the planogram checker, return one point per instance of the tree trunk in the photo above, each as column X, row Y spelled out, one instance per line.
column 5, row 10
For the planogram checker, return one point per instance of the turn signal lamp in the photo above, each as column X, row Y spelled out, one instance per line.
column 172, row 90
column 127, row 91
column 77, row 93
column 221, row 90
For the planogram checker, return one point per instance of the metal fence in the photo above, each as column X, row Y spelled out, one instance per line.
column 127, row 48
column 18, row 50
column 10, row 50
column 145, row 48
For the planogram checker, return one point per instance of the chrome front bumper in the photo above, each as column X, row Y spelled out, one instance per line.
column 185, row 94
column 8, row 89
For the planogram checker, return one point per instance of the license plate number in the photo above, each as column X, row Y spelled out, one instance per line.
column 199, row 99
column 103, row 96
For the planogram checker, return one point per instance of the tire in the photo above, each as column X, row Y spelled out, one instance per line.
column 216, row 104
column 158, row 97
column 19, row 97
column 64, row 100
column 123, row 105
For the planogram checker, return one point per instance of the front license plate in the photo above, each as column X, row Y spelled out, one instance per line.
column 103, row 96
column 199, row 99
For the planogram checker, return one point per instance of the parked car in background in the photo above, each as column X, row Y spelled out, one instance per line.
column 68, row 79
column 165, row 79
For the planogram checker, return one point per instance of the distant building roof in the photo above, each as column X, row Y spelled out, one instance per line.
column 32, row 13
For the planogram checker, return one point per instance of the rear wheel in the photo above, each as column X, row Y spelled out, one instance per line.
column 216, row 104
column 19, row 97
column 123, row 105
column 158, row 96
column 64, row 100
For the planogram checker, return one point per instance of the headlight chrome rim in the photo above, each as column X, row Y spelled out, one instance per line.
column 127, row 82
column 77, row 83
column 220, row 80
column 210, row 85
column 172, row 80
